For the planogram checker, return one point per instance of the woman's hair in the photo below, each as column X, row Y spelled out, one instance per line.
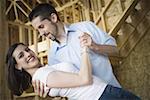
column 18, row 80
column 44, row 10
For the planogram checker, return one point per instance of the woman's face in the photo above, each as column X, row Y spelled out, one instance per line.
column 25, row 58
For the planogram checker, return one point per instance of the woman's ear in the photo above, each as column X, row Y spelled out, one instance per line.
column 53, row 18
column 18, row 67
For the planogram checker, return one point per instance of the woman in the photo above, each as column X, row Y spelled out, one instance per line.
column 61, row 79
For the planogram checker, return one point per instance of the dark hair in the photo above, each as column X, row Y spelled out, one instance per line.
column 18, row 80
column 44, row 10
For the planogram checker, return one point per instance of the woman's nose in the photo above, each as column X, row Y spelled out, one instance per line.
column 27, row 54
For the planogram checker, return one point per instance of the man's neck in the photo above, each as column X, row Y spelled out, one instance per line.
column 61, row 33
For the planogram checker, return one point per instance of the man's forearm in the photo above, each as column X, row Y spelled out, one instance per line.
column 105, row 49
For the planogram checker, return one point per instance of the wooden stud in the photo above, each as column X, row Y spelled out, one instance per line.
column 35, row 38
column 103, row 11
column 123, row 17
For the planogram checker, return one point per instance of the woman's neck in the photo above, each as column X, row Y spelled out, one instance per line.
column 33, row 70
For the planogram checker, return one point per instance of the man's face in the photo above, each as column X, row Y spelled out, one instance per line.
column 46, row 27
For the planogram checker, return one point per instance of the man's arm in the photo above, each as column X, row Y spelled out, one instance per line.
column 110, row 50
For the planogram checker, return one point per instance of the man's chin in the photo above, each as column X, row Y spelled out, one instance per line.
column 56, row 40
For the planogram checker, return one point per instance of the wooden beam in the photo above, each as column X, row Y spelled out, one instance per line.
column 55, row 1
column 120, row 6
column 122, row 19
column 35, row 38
column 140, row 31
column 103, row 11
column 87, row 11
column 26, row 5
column 8, row 9
column 127, row 29
column 15, row 10
column 73, row 12
column 99, row 3
column 40, row 46
column 38, row 1
column 104, row 23
column 30, row 37
column 42, row 54
column 18, row 24
column 66, row 5
column 21, row 35
column 22, row 10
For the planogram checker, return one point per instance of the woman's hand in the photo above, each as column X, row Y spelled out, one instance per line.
column 39, row 88
column 85, row 40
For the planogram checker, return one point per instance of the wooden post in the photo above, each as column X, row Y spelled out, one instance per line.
column 87, row 11
column 35, row 38
column 30, row 37
column 21, row 34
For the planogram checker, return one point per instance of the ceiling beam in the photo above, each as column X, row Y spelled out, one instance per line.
column 26, row 5
column 55, row 1
column 22, row 10
column 66, row 5
column 8, row 9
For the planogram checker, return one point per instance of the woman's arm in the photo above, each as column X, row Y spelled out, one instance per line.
column 59, row 79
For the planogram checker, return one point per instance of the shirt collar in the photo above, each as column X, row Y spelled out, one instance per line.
column 68, row 30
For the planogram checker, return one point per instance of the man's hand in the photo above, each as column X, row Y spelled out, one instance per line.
column 85, row 40
column 39, row 88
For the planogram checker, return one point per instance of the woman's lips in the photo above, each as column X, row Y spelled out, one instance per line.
column 30, row 59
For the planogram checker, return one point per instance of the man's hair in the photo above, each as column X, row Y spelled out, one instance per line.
column 44, row 10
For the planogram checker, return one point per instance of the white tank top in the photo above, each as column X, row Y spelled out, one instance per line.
column 90, row 92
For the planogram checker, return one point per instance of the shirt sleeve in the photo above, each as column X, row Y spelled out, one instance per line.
column 98, row 36
column 42, row 73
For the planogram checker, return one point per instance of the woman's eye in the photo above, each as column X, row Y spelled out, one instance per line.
column 21, row 55
column 27, row 49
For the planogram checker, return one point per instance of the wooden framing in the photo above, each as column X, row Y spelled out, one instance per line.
column 123, row 17
column 15, row 5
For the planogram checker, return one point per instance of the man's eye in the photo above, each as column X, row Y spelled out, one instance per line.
column 41, row 26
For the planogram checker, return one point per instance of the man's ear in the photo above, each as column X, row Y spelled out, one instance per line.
column 53, row 18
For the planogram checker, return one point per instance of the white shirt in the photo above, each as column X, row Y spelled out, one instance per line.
column 90, row 92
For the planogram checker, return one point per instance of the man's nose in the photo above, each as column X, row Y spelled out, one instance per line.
column 43, row 34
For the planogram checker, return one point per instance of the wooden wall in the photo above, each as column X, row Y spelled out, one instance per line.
column 4, row 94
column 134, row 71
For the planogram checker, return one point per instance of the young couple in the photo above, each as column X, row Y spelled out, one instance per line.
column 71, row 64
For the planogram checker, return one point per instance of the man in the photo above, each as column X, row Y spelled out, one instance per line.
column 68, row 41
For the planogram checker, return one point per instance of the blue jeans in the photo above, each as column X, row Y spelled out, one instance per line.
column 115, row 93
